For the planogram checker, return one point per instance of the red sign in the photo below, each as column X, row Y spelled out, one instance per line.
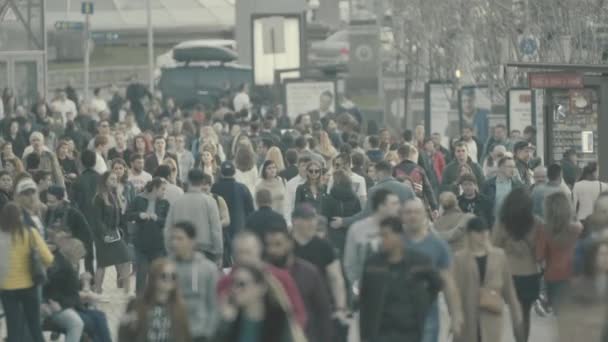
column 555, row 80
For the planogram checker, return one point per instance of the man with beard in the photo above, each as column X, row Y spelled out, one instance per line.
column 62, row 216
column 314, row 292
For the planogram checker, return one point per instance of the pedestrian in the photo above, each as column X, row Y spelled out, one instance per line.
column 312, row 191
column 201, row 209
column 421, row 239
column 409, row 170
column 557, row 242
column 313, row 289
column 239, row 201
column 245, row 164
column 483, row 278
column 137, row 176
column 344, row 162
column 570, row 167
column 341, row 201
column 473, row 202
column 522, row 152
column 110, row 243
column 197, row 279
column 48, row 159
column 274, row 154
column 587, row 190
column 451, row 223
column 185, row 159
column 85, row 186
column 490, row 164
column 6, row 188
column 160, row 314
column 498, row 188
column 452, row 170
column 172, row 191
column 269, row 180
column 291, row 169
column 293, row 184
column 542, row 191
column 388, row 313
column 156, row 158
column 149, row 212
column 265, row 217
column 19, row 293
column 517, row 233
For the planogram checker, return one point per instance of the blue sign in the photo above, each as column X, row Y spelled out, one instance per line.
column 87, row 8
column 528, row 46
column 104, row 36
column 69, row 25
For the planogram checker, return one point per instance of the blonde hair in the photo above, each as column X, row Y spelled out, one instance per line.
column 274, row 154
column 326, row 148
column 448, row 200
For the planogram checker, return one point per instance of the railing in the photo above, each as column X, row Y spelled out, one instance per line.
column 99, row 77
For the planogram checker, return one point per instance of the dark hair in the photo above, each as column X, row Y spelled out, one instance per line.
column 263, row 197
column 120, row 161
column 516, row 213
column 195, row 177
column 291, row 156
column 408, row 135
column 265, row 166
column 11, row 219
column 136, row 156
column 154, row 184
column 373, row 141
column 301, row 142
column 529, row 130
column 392, row 223
column 207, row 179
column 342, row 179
column 383, row 166
column 187, row 227
column 379, row 197
column 40, row 175
column 358, row 159
column 554, row 172
column 569, row 153
column 588, row 171
column 88, row 159
column 477, row 224
column 159, row 137
column 500, row 125
column 404, row 151
column 304, row 160
column 345, row 158
column 467, row 178
column 32, row 161
column 102, row 187
column 163, row 171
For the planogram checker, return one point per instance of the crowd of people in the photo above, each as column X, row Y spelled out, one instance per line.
column 237, row 223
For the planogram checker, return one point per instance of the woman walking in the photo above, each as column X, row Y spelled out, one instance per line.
column 312, row 191
column 110, row 244
column 19, row 294
column 341, row 201
column 149, row 212
column 484, row 282
column 159, row 315
column 270, row 181
column 517, row 232
column 586, row 191
column 246, row 170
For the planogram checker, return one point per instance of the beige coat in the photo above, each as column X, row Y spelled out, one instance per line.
column 498, row 278
column 582, row 312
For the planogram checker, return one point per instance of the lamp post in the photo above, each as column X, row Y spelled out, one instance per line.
column 150, row 47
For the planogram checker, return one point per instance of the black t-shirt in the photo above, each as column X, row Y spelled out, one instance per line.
column 318, row 252
column 481, row 267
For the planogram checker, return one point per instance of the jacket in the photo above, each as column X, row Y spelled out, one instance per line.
column 379, row 284
column 521, row 254
column 201, row 210
column 197, row 279
column 148, row 233
column 84, row 189
column 239, row 201
column 403, row 191
column 582, row 311
column 480, row 206
column 416, row 174
column 151, row 163
column 71, row 219
column 524, row 172
column 498, row 278
column 305, row 195
column 450, row 174
column 451, row 227
column 489, row 189
column 340, row 202
column 62, row 285
column 570, row 172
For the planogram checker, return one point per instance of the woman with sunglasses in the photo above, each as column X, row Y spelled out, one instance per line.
column 256, row 310
column 312, row 191
column 159, row 315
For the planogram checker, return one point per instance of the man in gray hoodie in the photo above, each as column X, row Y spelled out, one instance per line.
column 197, row 278
column 200, row 209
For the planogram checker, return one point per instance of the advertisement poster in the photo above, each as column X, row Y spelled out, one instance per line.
column 520, row 109
column 475, row 111
column 440, row 115
column 276, row 46
column 309, row 96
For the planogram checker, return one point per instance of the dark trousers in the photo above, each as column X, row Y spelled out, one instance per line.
column 528, row 290
column 22, row 310
column 95, row 325
column 143, row 261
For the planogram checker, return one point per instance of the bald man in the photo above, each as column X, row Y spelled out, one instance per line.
column 247, row 250
column 421, row 239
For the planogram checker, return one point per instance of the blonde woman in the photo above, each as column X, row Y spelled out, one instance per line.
column 326, row 148
column 274, row 154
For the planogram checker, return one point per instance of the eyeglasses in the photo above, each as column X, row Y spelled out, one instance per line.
column 314, row 171
column 168, row 276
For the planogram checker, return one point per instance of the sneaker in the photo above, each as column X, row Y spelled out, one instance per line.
column 541, row 308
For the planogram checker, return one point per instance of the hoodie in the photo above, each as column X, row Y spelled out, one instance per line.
column 197, row 280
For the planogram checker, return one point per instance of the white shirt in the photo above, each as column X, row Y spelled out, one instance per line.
column 172, row 193
column 249, row 178
column 584, row 195
column 98, row 105
column 100, row 164
column 65, row 107
column 290, row 194
column 139, row 181
column 472, row 148
column 241, row 101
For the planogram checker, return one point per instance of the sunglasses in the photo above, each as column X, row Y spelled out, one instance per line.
column 168, row 276
column 314, row 171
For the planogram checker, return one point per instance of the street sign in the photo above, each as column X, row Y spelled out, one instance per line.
column 8, row 15
column 104, row 36
column 561, row 80
column 69, row 25
column 87, row 8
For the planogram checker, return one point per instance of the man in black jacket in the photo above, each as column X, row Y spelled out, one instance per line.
column 61, row 215
column 388, row 313
column 85, row 186
column 415, row 174
column 264, row 218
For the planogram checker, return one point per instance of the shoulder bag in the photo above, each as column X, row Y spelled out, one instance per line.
column 37, row 268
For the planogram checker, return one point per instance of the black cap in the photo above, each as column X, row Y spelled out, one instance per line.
column 227, row 169
column 520, row 145
column 304, row 211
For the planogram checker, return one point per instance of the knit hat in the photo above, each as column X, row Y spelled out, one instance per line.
column 25, row 185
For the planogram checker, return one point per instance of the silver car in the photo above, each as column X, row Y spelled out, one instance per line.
column 335, row 50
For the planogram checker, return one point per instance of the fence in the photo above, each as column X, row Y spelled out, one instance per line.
column 98, row 77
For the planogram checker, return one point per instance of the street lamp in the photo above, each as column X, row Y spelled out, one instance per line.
column 150, row 47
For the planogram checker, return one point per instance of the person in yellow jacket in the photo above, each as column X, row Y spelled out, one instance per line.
column 19, row 293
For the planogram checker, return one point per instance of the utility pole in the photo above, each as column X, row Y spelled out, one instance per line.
column 150, row 47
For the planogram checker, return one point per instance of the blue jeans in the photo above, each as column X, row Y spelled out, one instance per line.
column 96, row 325
column 143, row 261
column 554, row 289
column 22, row 309
column 431, row 325
column 71, row 324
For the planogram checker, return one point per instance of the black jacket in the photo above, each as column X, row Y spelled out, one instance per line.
column 239, row 202
column 340, row 202
column 489, row 189
column 71, row 219
column 382, row 295
column 262, row 219
column 148, row 237
column 289, row 172
column 416, row 174
column 4, row 198
column 305, row 195
column 84, row 189
column 62, row 285
column 479, row 206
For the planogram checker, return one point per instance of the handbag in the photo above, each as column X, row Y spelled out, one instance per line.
column 37, row 268
column 490, row 300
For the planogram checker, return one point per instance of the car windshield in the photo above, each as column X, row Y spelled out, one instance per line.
column 340, row 36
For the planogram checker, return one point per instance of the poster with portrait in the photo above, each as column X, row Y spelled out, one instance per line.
column 475, row 111
column 309, row 96
column 520, row 109
column 439, row 114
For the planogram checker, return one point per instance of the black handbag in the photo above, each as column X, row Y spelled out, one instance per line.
column 37, row 268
